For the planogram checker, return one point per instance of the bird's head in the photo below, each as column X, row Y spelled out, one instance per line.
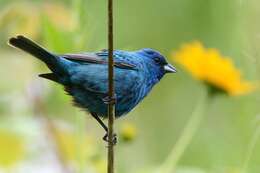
column 156, row 62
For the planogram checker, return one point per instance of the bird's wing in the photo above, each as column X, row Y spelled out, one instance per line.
column 96, row 59
column 94, row 78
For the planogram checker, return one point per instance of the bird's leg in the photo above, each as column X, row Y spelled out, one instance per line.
column 105, row 138
column 99, row 121
column 114, row 140
column 108, row 100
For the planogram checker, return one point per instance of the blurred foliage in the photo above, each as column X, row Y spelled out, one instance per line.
column 12, row 148
column 227, row 135
column 67, row 144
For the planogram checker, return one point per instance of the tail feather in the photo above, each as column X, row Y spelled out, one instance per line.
column 34, row 49
column 50, row 76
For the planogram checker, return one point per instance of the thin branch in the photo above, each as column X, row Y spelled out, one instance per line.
column 111, row 116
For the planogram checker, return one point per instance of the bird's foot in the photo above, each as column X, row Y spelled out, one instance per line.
column 108, row 100
column 114, row 138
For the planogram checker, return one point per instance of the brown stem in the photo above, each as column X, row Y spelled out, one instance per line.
column 111, row 116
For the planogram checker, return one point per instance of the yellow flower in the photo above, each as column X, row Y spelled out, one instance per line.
column 12, row 148
column 210, row 66
column 128, row 132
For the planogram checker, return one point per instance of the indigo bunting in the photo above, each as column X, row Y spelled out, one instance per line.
column 85, row 76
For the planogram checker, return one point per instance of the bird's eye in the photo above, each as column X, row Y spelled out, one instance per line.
column 157, row 60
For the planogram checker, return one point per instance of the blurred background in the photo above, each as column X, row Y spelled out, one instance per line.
column 173, row 130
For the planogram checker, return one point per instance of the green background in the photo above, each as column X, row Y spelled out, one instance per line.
column 222, row 142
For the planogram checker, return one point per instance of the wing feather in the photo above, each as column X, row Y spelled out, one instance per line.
column 93, row 58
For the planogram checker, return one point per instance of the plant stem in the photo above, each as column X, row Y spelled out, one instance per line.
column 169, row 165
column 250, row 149
column 111, row 116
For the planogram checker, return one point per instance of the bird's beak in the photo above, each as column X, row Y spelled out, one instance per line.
column 168, row 68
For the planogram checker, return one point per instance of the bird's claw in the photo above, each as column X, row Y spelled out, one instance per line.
column 114, row 138
column 108, row 100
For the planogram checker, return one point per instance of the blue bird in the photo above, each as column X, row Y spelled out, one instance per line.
column 85, row 76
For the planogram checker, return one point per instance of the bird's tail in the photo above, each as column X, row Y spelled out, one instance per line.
column 37, row 51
